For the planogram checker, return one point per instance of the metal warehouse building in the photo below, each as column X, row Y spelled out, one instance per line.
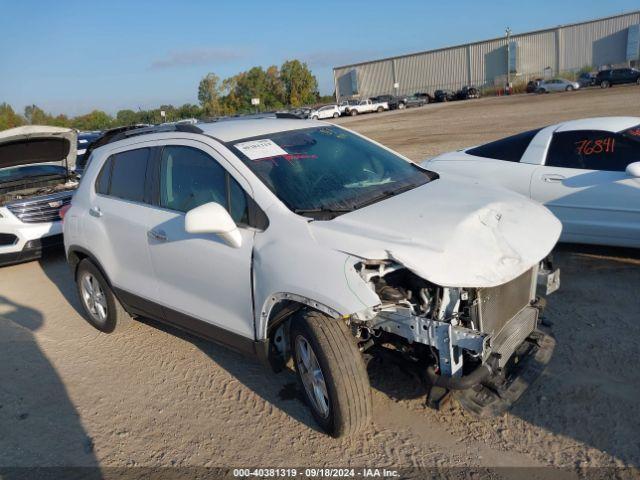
column 609, row 41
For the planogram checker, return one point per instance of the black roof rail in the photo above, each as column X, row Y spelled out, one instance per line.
column 120, row 133
column 187, row 128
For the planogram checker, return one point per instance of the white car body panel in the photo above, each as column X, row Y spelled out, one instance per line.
column 595, row 206
column 452, row 232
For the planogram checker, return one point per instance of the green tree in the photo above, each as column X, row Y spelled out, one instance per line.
column 252, row 84
column 36, row 116
column 209, row 92
column 95, row 120
column 230, row 103
column 126, row 117
column 300, row 85
column 275, row 89
column 189, row 110
column 9, row 118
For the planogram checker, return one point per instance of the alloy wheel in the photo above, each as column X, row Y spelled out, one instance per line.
column 312, row 377
column 93, row 297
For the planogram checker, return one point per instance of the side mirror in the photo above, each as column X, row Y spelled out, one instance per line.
column 213, row 218
column 633, row 169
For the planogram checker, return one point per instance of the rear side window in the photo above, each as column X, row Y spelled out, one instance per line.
column 593, row 150
column 509, row 149
column 123, row 175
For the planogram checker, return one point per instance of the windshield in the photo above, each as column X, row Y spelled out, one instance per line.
column 632, row 133
column 325, row 171
column 28, row 171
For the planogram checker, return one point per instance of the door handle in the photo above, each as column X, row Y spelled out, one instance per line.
column 158, row 235
column 95, row 212
column 551, row 177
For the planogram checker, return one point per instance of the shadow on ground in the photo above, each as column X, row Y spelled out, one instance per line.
column 39, row 425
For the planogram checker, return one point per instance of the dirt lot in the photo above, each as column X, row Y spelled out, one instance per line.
column 156, row 397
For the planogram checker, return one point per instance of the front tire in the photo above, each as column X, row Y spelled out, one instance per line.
column 336, row 115
column 100, row 305
column 569, row 88
column 605, row 84
column 353, row 113
column 331, row 373
column 380, row 109
column 401, row 106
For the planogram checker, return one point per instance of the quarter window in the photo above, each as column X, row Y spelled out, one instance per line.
column 104, row 178
column 123, row 175
column 592, row 150
column 190, row 178
column 510, row 149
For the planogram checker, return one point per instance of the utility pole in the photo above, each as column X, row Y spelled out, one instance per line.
column 507, row 32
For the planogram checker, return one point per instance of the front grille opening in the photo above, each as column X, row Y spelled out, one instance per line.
column 7, row 239
column 40, row 209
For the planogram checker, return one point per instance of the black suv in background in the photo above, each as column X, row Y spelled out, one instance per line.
column 615, row 76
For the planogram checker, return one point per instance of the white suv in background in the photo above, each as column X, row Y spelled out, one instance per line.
column 322, row 113
column 36, row 180
column 285, row 238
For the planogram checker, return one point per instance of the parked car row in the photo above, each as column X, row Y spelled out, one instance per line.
column 604, row 79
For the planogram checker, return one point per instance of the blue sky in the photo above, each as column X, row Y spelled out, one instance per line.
column 72, row 56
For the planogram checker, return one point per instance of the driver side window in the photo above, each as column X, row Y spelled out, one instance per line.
column 190, row 178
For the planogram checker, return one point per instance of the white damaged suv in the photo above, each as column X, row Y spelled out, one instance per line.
column 298, row 239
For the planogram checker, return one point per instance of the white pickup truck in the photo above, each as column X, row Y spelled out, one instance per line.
column 366, row 106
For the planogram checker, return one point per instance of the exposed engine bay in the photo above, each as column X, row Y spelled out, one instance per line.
column 14, row 191
column 457, row 338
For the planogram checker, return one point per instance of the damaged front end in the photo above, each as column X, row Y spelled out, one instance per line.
column 485, row 344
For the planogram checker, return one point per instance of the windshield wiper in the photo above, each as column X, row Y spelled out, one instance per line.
column 387, row 194
column 322, row 210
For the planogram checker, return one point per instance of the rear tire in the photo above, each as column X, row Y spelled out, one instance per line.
column 339, row 396
column 100, row 305
column 638, row 81
column 380, row 109
column 569, row 88
column 336, row 115
column 605, row 84
column 353, row 112
column 401, row 106
column 315, row 117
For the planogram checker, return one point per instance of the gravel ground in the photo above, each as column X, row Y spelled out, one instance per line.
column 153, row 396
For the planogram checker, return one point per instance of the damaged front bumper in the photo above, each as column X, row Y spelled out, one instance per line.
column 499, row 391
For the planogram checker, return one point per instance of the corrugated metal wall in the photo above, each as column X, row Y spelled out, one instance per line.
column 570, row 47
column 596, row 43
column 430, row 70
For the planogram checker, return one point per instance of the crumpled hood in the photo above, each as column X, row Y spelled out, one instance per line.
column 452, row 232
column 33, row 144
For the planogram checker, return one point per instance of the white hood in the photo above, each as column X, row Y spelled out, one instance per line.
column 31, row 144
column 454, row 233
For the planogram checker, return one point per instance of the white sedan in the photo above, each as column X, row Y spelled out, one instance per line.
column 587, row 172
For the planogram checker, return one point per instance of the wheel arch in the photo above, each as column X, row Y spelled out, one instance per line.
column 75, row 254
column 280, row 306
